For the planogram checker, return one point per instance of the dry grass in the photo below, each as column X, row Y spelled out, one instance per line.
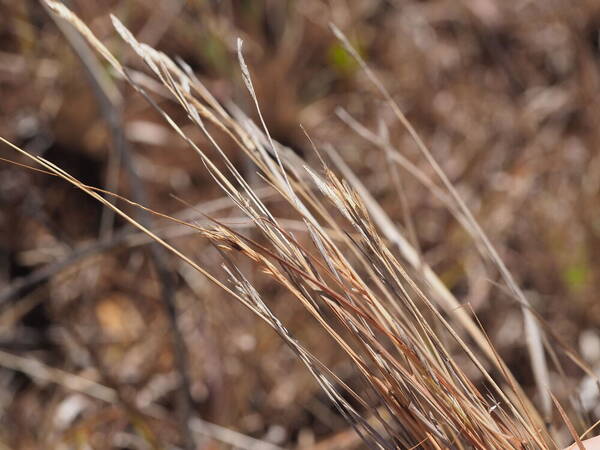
column 414, row 367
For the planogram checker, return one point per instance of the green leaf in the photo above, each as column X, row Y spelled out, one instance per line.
column 341, row 60
column 576, row 275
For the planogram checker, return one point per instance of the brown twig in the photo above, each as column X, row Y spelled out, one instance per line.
column 109, row 101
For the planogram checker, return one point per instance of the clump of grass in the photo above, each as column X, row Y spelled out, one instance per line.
column 391, row 321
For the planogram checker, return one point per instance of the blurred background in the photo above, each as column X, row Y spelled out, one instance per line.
column 504, row 93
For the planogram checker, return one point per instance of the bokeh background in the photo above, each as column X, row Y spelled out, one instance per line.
column 504, row 93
